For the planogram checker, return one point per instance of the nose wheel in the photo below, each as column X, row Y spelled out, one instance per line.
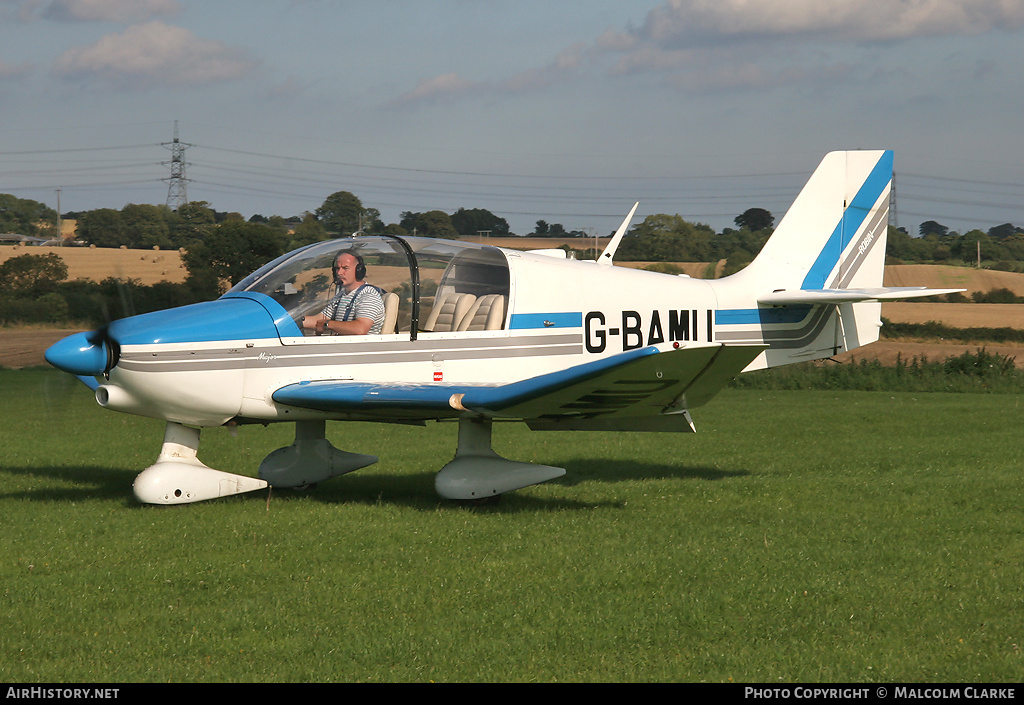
column 179, row 477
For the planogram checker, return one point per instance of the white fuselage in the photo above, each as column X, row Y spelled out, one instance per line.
column 560, row 313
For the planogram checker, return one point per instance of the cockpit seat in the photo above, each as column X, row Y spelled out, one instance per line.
column 487, row 313
column 448, row 311
column 390, row 312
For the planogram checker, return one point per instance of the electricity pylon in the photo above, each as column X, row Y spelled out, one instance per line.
column 177, row 192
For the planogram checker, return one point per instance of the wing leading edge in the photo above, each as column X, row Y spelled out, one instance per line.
column 641, row 389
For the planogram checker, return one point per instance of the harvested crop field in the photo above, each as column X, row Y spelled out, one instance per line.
column 956, row 315
column 99, row 263
column 952, row 315
column 944, row 277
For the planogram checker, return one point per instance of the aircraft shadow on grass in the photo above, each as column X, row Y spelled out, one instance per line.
column 414, row 490
column 583, row 470
column 84, row 483
column 107, row 483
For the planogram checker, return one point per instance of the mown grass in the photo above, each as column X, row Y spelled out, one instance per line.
column 798, row 536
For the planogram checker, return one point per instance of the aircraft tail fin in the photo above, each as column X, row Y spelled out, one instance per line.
column 833, row 236
column 815, row 288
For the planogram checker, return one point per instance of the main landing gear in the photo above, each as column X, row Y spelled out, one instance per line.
column 478, row 473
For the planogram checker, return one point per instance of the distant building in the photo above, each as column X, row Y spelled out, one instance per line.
column 16, row 239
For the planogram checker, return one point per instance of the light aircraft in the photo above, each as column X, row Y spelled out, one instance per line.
column 479, row 334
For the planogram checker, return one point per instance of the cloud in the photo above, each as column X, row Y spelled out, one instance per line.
column 452, row 85
column 703, row 21
column 566, row 62
column 151, row 55
column 8, row 71
column 735, row 44
column 18, row 10
column 123, row 11
column 439, row 87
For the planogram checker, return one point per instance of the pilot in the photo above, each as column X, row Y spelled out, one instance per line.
column 357, row 308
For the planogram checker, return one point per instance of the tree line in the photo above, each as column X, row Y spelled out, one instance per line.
column 218, row 249
column 659, row 237
column 1000, row 247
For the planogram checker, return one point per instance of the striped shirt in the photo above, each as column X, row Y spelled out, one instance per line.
column 364, row 302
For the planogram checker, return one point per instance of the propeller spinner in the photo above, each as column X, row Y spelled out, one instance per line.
column 88, row 354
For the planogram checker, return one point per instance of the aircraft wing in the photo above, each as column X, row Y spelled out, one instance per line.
column 628, row 391
column 788, row 297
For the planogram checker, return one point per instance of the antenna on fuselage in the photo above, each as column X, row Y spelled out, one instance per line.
column 609, row 252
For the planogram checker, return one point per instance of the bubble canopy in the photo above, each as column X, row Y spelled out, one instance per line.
column 419, row 272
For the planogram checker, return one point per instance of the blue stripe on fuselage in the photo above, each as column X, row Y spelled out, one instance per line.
column 568, row 319
column 761, row 316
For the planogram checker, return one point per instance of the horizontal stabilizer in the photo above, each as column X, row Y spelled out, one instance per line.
column 804, row 297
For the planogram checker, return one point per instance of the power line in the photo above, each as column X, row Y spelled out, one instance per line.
column 76, row 149
column 263, row 175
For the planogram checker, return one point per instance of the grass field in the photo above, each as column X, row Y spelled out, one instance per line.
column 798, row 536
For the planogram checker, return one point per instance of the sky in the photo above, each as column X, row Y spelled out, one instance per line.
column 566, row 111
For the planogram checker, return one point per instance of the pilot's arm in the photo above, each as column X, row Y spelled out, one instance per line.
column 323, row 324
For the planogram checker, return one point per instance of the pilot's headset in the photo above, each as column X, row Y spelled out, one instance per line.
column 360, row 266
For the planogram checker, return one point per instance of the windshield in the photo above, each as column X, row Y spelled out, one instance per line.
column 456, row 282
